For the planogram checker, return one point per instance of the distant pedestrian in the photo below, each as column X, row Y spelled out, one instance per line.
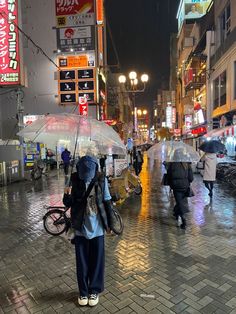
column 209, row 172
column 102, row 162
column 179, row 176
column 90, row 201
column 138, row 162
column 66, row 157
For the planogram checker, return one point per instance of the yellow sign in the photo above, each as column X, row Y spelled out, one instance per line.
column 77, row 61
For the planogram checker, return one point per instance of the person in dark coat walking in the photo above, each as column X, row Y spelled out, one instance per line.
column 138, row 162
column 180, row 176
column 66, row 157
column 102, row 162
column 90, row 203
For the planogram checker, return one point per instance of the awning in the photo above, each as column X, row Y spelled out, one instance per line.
column 226, row 131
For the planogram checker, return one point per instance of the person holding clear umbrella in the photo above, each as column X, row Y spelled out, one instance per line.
column 90, row 203
column 179, row 176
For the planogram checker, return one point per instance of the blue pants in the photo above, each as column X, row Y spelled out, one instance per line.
column 90, row 263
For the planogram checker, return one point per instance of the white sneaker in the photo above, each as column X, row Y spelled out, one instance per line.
column 93, row 299
column 82, row 301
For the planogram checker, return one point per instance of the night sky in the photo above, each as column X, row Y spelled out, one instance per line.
column 141, row 33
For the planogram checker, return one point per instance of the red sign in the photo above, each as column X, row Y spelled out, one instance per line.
column 188, row 76
column 83, row 106
column 199, row 130
column 71, row 7
column 197, row 106
column 9, row 43
column 110, row 122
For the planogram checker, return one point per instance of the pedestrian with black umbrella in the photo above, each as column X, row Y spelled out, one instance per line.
column 209, row 172
column 210, row 161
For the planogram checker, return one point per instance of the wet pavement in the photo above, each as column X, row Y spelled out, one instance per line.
column 154, row 267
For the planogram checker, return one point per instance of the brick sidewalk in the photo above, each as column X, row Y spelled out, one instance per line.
column 154, row 267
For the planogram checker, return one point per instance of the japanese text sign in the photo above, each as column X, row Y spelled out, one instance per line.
column 9, row 43
column 70, row 7
column 83, row 106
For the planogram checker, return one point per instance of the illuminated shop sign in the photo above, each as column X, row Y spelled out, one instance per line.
column 169, row 117
column 188, row 121
column 99, row 10
column 9, row 43
column 76, row 80
column 200, row 130
column 71, row 7
column 191, row 9
column 83, row 106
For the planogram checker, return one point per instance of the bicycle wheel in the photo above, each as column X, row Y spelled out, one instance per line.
column 54, row 222
column 118, row 225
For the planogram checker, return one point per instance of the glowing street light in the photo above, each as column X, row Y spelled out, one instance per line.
column 122, row 79
column 132, row 75
column 133, row 87
column 144, row 78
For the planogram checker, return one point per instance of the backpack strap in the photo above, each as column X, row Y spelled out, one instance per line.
column 90, row 187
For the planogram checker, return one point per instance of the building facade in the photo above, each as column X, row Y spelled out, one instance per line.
column 43, row 51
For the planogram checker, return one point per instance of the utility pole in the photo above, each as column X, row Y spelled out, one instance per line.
column 20, row 113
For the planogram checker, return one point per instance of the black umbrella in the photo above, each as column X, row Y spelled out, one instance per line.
column 212, row 147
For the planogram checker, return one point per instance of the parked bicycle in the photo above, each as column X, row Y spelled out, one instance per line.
column 38, row 170
column 226, row 172
column 57, row 220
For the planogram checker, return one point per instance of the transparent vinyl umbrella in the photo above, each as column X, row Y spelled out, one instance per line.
column 71, row 130
column 173, row 151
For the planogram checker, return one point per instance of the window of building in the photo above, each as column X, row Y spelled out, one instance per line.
column 219, row 90
column 225, row 22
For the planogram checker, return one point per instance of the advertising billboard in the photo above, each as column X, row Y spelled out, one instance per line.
column 9, row 43
column 76, row 38
column 71, row 7
column 191, row 9
column 71, row 13
column 76, row 82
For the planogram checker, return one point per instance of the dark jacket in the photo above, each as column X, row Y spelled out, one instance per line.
column 65, row 156
column 78, row 203
column 179, row 175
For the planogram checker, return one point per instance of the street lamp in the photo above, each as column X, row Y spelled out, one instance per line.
column 133, row 88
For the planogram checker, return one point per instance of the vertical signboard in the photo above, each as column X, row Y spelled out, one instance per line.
column 99, row 12
column 76, row 80
column 169, row 117
column 9, row 43
column 83, row 106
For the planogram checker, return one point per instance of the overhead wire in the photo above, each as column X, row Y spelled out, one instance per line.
column 7, row 92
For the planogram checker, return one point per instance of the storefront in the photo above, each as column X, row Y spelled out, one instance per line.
column 10, row 164
column 227, row 136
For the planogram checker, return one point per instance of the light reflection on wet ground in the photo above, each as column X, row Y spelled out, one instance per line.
column 153, row 256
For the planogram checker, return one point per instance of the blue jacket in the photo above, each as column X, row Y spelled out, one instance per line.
column 65, row 156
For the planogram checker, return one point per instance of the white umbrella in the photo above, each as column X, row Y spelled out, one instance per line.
column 173, row 151
column 71, row 130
